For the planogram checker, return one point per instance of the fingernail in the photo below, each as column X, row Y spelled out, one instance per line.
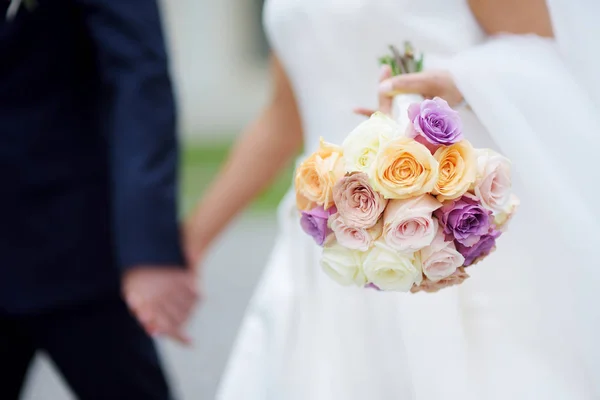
column 386, row 86
column 383, row 70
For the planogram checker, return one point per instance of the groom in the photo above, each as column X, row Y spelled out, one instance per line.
column 88, row 159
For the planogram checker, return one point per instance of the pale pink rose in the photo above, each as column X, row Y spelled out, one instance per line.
column 357, row 203
column 494, row 183
column 354, row 238
column 440, row 259
column 427, row 285
column 408, row 225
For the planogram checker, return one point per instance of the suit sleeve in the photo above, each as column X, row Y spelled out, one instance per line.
column 141, row 129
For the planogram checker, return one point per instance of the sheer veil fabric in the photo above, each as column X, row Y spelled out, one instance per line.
column 540, row 101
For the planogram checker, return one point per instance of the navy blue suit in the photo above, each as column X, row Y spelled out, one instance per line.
column 88, row 159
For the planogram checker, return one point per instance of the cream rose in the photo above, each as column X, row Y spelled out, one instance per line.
column 343, row 265
column 493, row 185
column 389, row 270
column 440, row 259
column 457, row 171
column 408, row 225
column 502, row 219
column 317, row 175
column 354, row 238
column 363, row 143
column 357, row 203
column 404, row 168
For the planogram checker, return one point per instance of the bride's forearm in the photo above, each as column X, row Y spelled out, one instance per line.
column 256, row 159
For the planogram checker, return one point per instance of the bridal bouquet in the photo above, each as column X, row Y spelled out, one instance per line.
column 404, row 208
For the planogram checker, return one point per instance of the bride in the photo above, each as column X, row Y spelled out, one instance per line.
column 523, row 327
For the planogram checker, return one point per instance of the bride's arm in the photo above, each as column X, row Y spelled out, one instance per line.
column 261, row 152
column 519, row 17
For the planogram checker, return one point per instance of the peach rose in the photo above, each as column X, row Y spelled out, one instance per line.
column 317, row 175
column 408, row 225
column 458, row 170
column 404, row 168
column 357, row 203
column 354, row 238
column 303, row 204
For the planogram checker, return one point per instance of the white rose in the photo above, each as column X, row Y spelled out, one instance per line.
column 390, row 270
column 408, row 225
column 343, row 265
column 493, row 184
column 362, row 144
column 354, row 238
column 440, row 259
column 503, row 218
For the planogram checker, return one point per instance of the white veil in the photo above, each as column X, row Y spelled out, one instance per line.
column 540, row 101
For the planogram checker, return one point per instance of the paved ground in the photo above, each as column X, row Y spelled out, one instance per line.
column 232, row 270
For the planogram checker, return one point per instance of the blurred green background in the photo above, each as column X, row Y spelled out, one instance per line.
column 201, row 162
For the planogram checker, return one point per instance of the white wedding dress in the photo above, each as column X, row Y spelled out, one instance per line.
column 306, row 338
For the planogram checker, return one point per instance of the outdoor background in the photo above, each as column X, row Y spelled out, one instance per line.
column 219, row 63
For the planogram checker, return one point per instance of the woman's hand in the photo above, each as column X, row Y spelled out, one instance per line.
column 429, row 84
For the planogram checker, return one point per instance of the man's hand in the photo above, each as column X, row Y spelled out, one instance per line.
column 162, row 298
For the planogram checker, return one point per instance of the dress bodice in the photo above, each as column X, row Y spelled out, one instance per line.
column 330, row 50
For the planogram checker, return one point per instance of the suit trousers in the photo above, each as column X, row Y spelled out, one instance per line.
column 100, row 349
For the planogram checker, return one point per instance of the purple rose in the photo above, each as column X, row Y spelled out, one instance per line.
column 480, row 249
column 314, row 222
column 435, row 121
column 464, row 220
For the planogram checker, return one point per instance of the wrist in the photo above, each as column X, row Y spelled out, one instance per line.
column 196, row 241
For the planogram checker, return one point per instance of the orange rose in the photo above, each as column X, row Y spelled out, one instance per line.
column 404, row 168
column 317, row 175
column 458, row 170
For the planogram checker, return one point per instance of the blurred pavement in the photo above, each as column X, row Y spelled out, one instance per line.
column 232, row 270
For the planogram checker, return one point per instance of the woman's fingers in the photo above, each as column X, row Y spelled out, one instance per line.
column 385, row 72
column 419, row 83
column 178, row 307
column 385, row 102
column 367, row 112
column 165, row 322
column 429, row 84
column 173, row 314
column 168, row 316
column 179, row 335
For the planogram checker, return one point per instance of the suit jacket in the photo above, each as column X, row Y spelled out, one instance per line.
column 88, row 150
